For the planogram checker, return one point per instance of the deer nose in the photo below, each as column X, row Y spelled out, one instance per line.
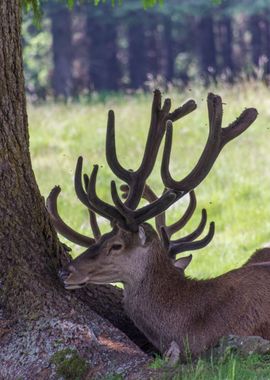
column 63, row 274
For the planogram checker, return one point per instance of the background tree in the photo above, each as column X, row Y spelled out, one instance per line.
column 62, row 50
column 104, row 67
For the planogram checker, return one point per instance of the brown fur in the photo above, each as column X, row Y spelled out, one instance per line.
column 167, row 306
column 259, row 256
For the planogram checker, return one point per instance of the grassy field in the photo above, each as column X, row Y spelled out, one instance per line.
column 236, row 194
column 229, row 367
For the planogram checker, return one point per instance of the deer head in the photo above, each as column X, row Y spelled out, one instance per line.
column 125, row 251
column 116, row 257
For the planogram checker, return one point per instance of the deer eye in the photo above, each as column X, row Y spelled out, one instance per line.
column 115, row 247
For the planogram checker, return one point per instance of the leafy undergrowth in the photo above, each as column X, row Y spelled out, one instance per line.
column 231, row 367
column 236, row 192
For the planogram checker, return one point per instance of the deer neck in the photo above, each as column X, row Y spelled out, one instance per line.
column 145, row 297
column 151, row 264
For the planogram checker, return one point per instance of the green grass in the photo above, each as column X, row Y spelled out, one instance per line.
column 231, row 367
column 236, row 193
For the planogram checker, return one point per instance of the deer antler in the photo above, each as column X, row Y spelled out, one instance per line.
column 92, row 214
column 136, row 179
column 60, row 225
column 185, row 243
column 125, row 213
column 218, row 137
column 66, row 231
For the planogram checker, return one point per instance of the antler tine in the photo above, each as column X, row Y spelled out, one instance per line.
column 160, row 220
column 176, row 247
column 60, row 225
column 79, row 190
column 103, row 208
column 183, row 110
column 150, row 196
column 94, row 224
column 155, row 208
column 218, row 137
column 125, row 190
column 83, row 196
column 144, row 213
column 136, row 180
column 165, row 231
column 127, row 213
column 173, row 228
column 239, row 126
column 198, row 230
column 111, row 155
column 92, row 214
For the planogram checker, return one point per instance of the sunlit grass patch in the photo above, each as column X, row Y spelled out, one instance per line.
column 230, row 367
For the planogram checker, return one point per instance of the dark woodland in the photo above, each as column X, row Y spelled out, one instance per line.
column 96, row 48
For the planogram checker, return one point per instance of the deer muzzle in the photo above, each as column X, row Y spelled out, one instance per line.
column 71, row 278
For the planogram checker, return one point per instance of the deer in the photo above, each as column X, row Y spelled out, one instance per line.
column 171, row 309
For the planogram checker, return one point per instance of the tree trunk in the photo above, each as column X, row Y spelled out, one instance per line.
column 267, row 47
column 256, row 39
column 45, row 317
column 225, row 45
column 80, row 41
column 151, row 46
column 62, row 52
column 104, row 65
column 206, row 47
column 184, row 45
column 168, row 51
column 136, row 50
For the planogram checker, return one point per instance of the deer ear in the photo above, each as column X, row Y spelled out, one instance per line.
column 142, row 235
column 183, row 262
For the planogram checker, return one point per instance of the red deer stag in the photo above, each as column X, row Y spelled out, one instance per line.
column 164, row 304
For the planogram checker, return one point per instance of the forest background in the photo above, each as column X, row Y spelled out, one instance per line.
column 109, row 48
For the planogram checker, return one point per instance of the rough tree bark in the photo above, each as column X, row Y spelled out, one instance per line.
column 44, row 317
